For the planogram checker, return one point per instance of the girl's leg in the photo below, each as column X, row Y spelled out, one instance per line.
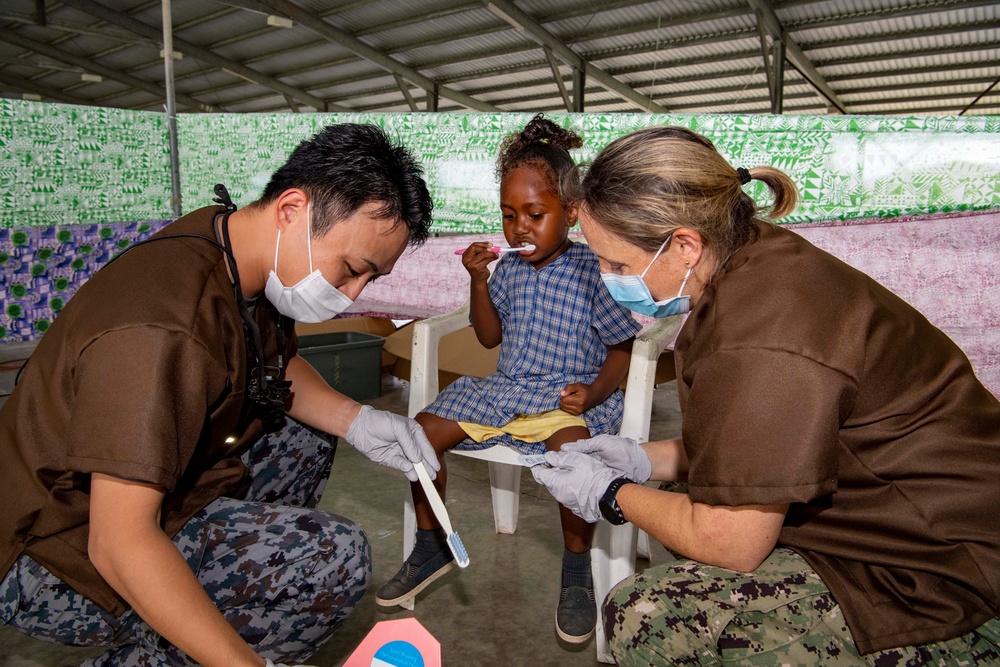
column 578, row 535
column 431, row 558
column 576, row 615
column 443, row 435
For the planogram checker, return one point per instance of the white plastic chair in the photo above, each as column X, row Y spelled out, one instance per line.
column 614, row 550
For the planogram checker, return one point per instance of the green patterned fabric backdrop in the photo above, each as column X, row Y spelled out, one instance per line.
column 80, row 184
column 846, row 166
column 74, row 165
column 69, row 165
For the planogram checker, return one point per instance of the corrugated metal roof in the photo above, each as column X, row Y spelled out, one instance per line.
column 704, row 56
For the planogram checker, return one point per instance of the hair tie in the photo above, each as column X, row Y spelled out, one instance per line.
column 543, row 140
column 744, row 175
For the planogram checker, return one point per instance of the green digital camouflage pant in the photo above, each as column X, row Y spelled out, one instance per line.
column 688, row 613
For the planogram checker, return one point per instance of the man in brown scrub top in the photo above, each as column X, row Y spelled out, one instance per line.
column 152, row 499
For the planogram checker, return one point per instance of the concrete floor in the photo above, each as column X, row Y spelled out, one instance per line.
column 498, row 611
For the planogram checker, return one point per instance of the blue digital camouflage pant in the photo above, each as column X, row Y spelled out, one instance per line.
column 284, row 575
column 687, row 613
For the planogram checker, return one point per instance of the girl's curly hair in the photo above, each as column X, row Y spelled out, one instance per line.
column 544, row 145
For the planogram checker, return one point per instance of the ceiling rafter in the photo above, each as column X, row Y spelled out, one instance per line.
column 348, row 41
column 793, row 53
column 25, row 86
column 238, row 69
column 90, row 66
column 520, row 19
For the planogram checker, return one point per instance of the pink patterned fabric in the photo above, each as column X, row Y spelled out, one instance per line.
column 943, row 265
column 427, row 281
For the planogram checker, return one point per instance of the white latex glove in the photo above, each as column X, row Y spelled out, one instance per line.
column 281, row 664
column 577, row 481
column 623, row 454
column 393, row 441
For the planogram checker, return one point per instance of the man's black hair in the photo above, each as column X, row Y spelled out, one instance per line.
column 343, row 167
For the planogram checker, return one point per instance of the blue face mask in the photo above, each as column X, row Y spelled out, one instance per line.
column 632, row 292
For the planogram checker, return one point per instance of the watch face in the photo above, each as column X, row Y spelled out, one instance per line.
column 611, row 512
column 609, row 505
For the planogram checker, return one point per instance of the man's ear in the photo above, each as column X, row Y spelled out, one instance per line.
column 290, row 208
column 688, row 243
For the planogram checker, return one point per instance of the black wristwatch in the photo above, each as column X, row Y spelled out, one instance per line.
column 609, row 504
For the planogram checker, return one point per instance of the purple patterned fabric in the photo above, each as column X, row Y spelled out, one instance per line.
column 944, row 265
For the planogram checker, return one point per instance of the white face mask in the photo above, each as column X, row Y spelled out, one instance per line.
column 310, row 300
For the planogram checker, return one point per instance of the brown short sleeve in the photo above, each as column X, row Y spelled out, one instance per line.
column 761, row 427
column 142, row 399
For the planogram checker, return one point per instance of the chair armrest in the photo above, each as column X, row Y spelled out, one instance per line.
column 641, row 372
column 427, row 336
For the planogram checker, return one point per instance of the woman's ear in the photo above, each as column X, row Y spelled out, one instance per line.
column 688, row 243
column 572, row 213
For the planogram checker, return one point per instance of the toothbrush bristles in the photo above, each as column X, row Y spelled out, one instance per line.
column 458, row 549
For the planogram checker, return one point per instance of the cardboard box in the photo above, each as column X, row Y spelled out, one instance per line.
column 460, row 353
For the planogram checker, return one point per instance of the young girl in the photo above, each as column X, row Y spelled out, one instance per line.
column 565, row 348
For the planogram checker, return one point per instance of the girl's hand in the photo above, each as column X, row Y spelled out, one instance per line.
column 476, row 259
column 576, row 398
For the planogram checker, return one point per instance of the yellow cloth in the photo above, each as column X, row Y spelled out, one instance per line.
column 528, row 428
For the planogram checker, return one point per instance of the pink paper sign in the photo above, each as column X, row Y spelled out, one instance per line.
column 400, row 643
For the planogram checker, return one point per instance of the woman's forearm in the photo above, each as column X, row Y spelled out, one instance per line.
column 668, row 459
column 737, row 538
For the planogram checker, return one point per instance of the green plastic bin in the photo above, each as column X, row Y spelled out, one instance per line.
column 350, row 361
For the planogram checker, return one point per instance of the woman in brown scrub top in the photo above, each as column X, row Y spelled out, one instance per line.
column 841, row 459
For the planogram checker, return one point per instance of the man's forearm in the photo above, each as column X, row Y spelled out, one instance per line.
column 156, row 581
column 143, row 565
column 315, row 403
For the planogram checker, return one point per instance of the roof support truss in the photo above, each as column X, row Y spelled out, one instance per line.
column 90, row 66
column 798, row 59
column 205, row 55
column 334, row 34
column 521, row 20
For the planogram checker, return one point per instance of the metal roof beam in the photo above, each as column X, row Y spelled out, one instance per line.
column 106, row 33
column 90, row 66
column 892, row 13
column 557, row 77
column 514, row 15
column 214, row 59
column 406, row 92
column 794, row 54
column 25, row 86
column 348, row 41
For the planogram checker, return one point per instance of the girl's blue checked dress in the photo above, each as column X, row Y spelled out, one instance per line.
column 557, row 325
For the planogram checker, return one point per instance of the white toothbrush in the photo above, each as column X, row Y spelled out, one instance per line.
column 500, row 250
column 454, row 541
